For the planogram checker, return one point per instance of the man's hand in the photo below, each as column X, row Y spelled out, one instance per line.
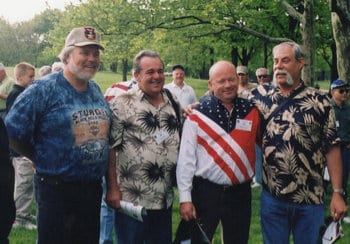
column 187, row 111
column 337, row 206
column 187, row 211
column 113, row 198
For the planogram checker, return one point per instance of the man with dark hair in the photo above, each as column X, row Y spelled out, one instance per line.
column 184, row 93
column 144, row 147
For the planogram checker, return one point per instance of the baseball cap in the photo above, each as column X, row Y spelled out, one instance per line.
column 338, row 83
column 333, row 233
column 83, row 36
column 242, row 70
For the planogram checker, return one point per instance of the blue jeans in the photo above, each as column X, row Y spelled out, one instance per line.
column 106, row 219
column 258, row 164
column 156, row 228
column 345, row 156
column 279, row 219
column 68, row 212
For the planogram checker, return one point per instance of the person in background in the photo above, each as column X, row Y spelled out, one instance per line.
column 107, row 213
column 184, row 93
column 44, row 70
column 340, row 92
column 62, row 122
column 263, row 76
column 216, row 161
column 57, row 66
column 144, row 147
column 299, row 139
column 244, row 86
column 24, row 171
column 6, row 84
column 7, row 180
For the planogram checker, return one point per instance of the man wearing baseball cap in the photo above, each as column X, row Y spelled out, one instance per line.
column 61, row 122
column 244, row 85
column 340, row 92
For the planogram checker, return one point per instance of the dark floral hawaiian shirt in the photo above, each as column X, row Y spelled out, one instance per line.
column 295, row 142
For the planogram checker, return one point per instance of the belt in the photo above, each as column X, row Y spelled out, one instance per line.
column 345, row 144
column 204, row 182
column 55, row 180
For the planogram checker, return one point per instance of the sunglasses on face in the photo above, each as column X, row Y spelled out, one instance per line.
column 263, row 76
column 341, row 91
column 241, row 74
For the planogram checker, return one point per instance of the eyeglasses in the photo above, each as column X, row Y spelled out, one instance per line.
column 262, row 76
column 241, row 74
column 341, row 91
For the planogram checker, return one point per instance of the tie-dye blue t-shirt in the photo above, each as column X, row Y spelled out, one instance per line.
column 68, row 129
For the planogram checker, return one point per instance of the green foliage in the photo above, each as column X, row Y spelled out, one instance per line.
column 195, row 33
column 105, row 79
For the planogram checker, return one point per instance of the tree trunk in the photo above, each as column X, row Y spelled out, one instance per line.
column 308, row 35
column 125, row 69
column 341, row 32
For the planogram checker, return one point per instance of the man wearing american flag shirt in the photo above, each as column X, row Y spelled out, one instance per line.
column 217, row 158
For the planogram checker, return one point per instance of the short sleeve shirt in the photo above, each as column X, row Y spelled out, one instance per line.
column 68, row 129
column 146, row 139
column 295, row 142
column 185, row 95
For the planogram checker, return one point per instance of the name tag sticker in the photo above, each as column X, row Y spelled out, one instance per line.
column 160, row 136
column 243, row 124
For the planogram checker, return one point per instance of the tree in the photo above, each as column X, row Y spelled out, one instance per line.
column 8, row 43
column 341, row 31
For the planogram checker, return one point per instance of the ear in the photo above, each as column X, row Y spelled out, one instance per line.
column 301, row 62
column 210, row 84
column 136, row 76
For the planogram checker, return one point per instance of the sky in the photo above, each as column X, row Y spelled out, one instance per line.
column 22, row 10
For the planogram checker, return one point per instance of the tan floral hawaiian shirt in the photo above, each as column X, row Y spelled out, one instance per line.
column 147, row 142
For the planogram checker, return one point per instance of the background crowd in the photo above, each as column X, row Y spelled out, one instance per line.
column 81, row 153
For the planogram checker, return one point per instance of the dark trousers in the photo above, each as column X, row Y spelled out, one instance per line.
column 229, row 204
column 7, row 203
column 68, row 212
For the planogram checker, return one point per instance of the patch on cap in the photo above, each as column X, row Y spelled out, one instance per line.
column 83, row 36
column 338, row 83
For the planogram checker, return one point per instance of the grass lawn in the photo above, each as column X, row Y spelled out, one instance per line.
column 105, row 79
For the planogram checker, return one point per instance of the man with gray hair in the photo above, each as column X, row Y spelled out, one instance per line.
column 263, row 76
column 299, row 141
column 62, row 122
column 57, row 66
column 6, row 84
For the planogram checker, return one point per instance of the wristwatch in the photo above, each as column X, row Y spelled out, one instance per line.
column 340, row 191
